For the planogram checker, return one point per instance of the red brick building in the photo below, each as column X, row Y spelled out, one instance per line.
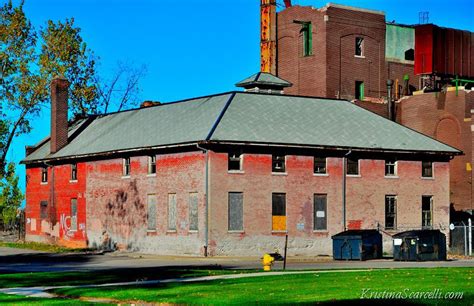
column 231, row 174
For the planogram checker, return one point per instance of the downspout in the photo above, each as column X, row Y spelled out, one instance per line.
column 344, row 184
column 206, row 193
column 51, row 194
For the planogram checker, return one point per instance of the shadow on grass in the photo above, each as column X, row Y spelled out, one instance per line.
column 109, row 275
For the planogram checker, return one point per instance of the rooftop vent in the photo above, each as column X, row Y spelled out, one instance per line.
column 264, row 82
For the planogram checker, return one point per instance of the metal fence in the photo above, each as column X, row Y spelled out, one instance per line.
column 461, row 239
column 13, row 230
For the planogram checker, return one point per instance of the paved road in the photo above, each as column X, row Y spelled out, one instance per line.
column 16, row 260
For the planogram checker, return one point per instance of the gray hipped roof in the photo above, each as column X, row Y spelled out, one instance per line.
column 242, row 117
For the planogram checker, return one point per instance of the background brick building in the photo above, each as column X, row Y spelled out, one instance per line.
column 347, row 52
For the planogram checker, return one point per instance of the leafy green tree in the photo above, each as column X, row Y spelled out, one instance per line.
column 64, row 53
column 29, row 60
column 10, row 196
column 22, row 88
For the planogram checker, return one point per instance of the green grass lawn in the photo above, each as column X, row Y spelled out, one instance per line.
column 345, row 287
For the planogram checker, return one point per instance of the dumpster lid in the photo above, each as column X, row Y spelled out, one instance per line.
column 418, row 233
column 357, row 233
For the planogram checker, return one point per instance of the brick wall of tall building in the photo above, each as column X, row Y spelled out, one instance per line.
column 446, row 117
column 332, row 69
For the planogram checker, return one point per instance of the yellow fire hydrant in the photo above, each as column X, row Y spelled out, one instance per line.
column 267, row 262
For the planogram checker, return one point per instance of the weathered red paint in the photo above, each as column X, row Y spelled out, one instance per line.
column 58, row 191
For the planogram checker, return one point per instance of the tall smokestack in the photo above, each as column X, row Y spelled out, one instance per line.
column 59, row 124
column 268, row 29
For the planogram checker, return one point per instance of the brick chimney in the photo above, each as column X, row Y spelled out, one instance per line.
column 59, row 123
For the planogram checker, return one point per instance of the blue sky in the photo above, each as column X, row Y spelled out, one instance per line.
column 193, row 47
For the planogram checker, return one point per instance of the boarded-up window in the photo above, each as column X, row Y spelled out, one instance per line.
column 236, row 211
column 278, row 212
column 320, row 212
column 44, row 209
column 73, row 215
column 151, row 215
column 172, row 212
column 193, row 211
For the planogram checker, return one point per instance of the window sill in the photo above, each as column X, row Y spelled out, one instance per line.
column 235, row 232
column 72, row 181
column 391, row 177
column 353, row 175
column 359, row 56
column 321, row 174
column 44, row 183
column 151, row 175
column 279, row 232
column 171, row 231
column 151, row 231
column 280, row 173
column 125, row 176
column 427, row 178
column 193, row 231
column 235, row 171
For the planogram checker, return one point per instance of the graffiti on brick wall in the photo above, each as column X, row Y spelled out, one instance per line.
column 66, row 224
column 124, row 211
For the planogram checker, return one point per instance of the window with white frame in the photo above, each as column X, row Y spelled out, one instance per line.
column 152, row 164
column 73, row 172
column 391, row 168
column 278, row 163
column 359, row 46
column 320, row 165
column 352, row 166
column 427, row 212
column 126, row 166
column 44, row 175
column 427, row 169
column 234, row 161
